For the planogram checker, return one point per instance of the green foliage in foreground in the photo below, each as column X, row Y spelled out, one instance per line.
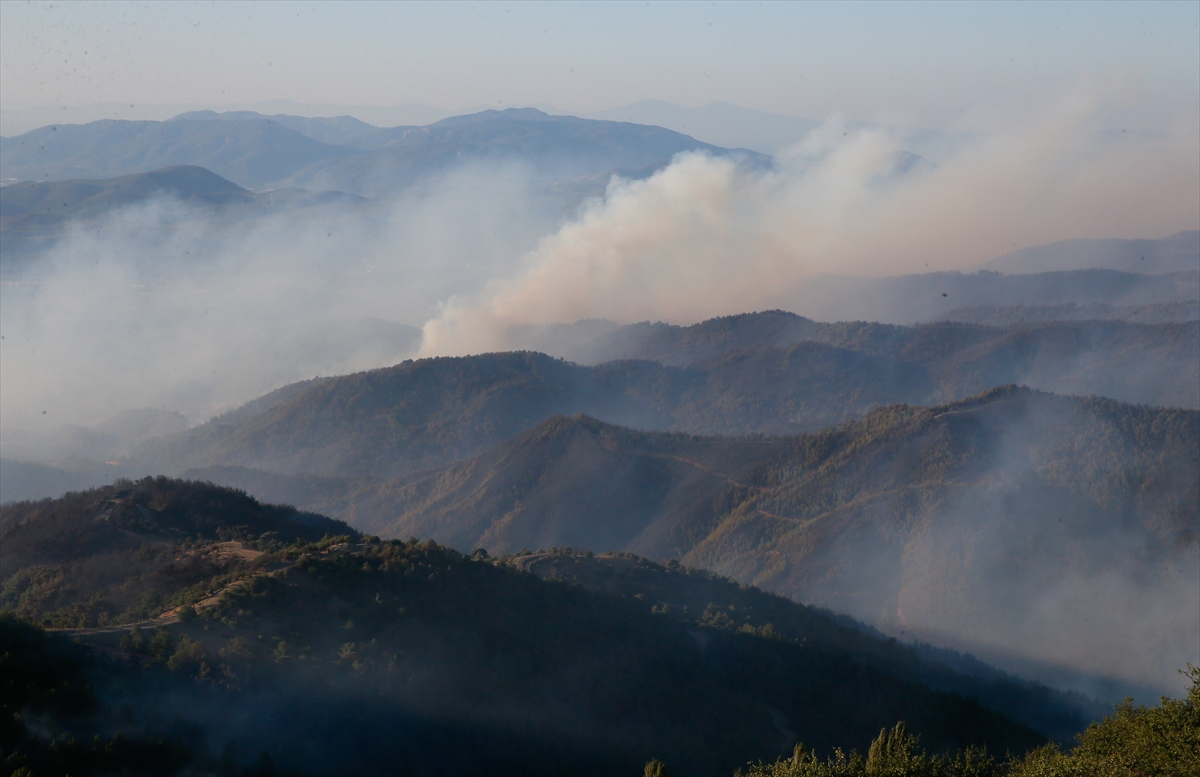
column 52, row 721
column 1134, row 741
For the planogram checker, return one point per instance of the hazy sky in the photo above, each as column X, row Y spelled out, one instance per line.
column 933, row 64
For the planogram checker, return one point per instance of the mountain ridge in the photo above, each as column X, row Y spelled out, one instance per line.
column 429, row 412
column 343, row 154
column 945, row 506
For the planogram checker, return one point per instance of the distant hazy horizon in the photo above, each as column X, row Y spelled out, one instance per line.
column 957, row 68
column 720, row 122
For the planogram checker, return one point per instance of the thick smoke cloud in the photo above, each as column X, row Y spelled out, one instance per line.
column 170, row 306
column 705, row 237
column 165, row 306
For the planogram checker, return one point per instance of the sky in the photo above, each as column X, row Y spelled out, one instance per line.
column 923, row 64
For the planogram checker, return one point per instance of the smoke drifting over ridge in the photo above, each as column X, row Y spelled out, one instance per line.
column 704, row 237
column 164, row 305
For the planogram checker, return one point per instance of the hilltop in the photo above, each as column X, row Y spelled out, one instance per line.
column 129, row 551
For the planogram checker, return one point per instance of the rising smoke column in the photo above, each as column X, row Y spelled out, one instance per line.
column 707, row 237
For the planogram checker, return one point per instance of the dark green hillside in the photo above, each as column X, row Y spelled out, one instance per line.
column 411, row 653
column 978, row 522
column 605, row 675
column 701, row 597
column 52, row 720
column 129, row 551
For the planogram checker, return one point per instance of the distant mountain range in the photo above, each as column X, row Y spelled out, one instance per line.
column 719, row 123
column 342, row 154
column 18, row 121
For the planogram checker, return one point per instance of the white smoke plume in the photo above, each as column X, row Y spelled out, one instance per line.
column 705, row 237
column 162, row 306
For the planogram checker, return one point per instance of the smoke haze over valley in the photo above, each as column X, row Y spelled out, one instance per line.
column 166, row 283
column 879, row 384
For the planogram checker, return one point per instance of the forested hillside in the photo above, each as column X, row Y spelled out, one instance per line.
column 412, row 651
column 975, row 522
column 769, row 373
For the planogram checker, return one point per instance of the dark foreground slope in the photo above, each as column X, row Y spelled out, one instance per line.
column 352, row 657
column 701, row 597
column 992, row 522
column 66, row 689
